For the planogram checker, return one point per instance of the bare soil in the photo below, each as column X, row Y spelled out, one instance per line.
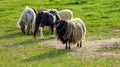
column 89, row 48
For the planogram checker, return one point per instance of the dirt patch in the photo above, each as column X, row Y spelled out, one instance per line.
column 89, row 48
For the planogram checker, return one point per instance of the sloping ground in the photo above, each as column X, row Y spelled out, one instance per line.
column 89, row 48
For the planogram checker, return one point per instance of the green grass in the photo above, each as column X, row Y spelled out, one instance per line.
column 18, row 50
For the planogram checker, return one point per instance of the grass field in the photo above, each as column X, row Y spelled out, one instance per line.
column 102, row 19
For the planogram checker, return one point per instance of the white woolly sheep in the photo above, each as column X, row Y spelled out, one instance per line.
column 65, row 14
column 71, row 31
column 27, row 19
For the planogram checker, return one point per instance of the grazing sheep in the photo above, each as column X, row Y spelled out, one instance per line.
column 27, row 19
column 45, row 18
column 65, row 14
column 71, row 31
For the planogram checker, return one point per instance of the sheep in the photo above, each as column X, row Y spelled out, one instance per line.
column 71, row 31
column 27, row 19
column 45, row 18
column 65, row 14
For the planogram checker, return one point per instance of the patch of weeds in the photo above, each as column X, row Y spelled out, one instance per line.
column 89, row 15
column 113, row 10
column 110, row 48
column 77, row 2
column 51, row 0
column 105, row 17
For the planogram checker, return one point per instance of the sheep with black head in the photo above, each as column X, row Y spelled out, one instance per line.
column 71, row 31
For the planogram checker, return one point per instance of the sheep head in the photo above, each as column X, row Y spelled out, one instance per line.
column 22, row 26
column 61, row 26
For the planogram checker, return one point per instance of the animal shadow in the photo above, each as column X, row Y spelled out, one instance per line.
column 8, row 36
column 50, row 54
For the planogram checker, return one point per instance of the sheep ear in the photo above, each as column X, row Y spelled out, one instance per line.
column 65, row 22
column 58, row 17
column 35, row 10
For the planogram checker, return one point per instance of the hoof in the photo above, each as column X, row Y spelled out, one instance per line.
column 77, row 45
column 69, row 48
column 80, row 45
column 66, row 48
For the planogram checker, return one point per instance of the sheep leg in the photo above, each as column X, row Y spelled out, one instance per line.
column 31, row 28
column 81, row 44
column 24, row 30
column 52, row 30
column 28, row 29
column 66, row 46
column 37, row 24
column 41, row 33
column 69, row 45
column 77, row 44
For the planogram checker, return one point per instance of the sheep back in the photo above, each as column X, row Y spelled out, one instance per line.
column 65, row 14
column 28, row 13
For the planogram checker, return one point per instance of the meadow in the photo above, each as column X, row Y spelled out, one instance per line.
column 102, row 19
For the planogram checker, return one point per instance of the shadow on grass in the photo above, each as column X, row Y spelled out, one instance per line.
column 46, row 39
column 28, row 42
column 10, row 35
column 47, row 55
column 15, row 34
column 11, row 29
